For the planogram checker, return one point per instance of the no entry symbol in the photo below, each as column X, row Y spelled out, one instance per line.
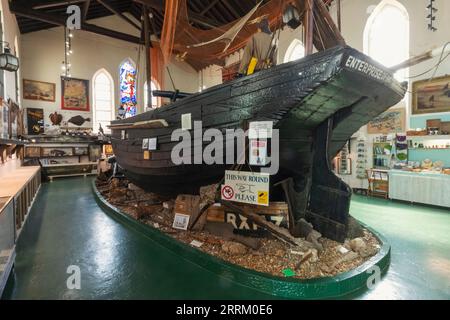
column 228, row 193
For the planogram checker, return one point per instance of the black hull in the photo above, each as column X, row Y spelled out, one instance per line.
column 318, row 103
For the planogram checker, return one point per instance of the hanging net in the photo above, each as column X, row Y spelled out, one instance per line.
column 201, row 48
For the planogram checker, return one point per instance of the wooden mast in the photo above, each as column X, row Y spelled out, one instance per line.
column 148, row 60
column 309, row 27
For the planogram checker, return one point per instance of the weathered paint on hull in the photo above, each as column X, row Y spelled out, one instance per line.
column 318, row 103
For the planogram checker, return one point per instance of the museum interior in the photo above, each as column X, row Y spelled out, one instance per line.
column 224, row 149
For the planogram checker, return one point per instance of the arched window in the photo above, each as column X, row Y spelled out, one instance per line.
column 155, row 100
column 295, row 51
column 103, row 98
column 386, row 36
column 127, row 79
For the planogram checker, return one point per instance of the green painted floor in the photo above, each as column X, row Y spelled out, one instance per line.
column 66, row 227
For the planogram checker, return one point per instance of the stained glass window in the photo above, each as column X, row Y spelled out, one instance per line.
column 128, row 89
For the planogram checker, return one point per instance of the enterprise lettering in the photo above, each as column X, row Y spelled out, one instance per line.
column 367, row 68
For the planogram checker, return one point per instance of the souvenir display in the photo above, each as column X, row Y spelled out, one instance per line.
column 361, row 166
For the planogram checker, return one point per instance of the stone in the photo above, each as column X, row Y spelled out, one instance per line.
column 280, row 253
column 342, row 249
column 346, row 258
column 314, row 237
column 208, row 195
column 368, row 252
column 234, row 248
column 314, row 255
column 358, row 245
column 133, row 187
column 303, row 228
column 115, row 183
column 355, row 230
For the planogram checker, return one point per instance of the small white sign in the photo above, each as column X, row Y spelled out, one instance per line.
column 145, row 144
column 260, row 130
column 152, row 144
column 181, row 221
column 258, row 152
column 186, row 121
column 124, row 134
column 246, row 187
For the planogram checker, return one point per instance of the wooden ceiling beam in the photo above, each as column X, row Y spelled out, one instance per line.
column 118, row 13
column 58, row 20
column 195, row 17
column 210, row 5
column 46, row 4
column 86, row 5
column 231, row 8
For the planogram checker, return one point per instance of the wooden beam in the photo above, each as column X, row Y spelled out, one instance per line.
column 86, row 5
column 210, row 5
column 119, row 14
column 59, row 20
column 339, row 17
column 309, row 26
column 46, row 4
column 230, row 7
column 326, row 17
column 195, row 17
column 148, row 58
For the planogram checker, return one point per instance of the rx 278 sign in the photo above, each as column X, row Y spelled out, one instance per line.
column 246, row 187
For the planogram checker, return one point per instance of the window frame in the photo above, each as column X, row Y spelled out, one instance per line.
column 94, row 98
column 291, row 49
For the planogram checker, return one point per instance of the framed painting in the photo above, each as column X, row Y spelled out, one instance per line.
column 39, row 90
column 431, row 96
column 391, row 121
column 35, row 121
column 75, row 94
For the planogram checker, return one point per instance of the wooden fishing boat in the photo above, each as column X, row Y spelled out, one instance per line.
column 317, row 103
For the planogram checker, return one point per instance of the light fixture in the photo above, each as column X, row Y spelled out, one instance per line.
column 291, row 17
column 66, row 65
column 8, row 61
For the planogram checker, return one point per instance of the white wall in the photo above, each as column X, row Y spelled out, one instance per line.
column 43, row 53
column 11, row 35
column 354, row 19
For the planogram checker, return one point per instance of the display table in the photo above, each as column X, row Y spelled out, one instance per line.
column 423, row 187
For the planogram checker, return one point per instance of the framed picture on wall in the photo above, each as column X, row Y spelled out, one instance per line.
column 391, row 121
column 431, row 96
column 35, row 121
column 39, row 90
column 75, row 94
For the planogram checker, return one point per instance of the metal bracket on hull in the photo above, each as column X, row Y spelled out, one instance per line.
column 329, row 201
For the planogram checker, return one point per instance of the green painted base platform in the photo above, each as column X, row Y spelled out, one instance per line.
column 278, row 287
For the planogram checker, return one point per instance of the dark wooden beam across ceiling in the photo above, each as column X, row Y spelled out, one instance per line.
column 58, row 20
column 119, row 14
column 46, row 4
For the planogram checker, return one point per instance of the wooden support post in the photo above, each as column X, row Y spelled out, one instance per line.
column 148, row 60
column 309, row 27
column 339, row 20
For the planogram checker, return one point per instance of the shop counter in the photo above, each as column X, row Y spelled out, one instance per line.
column 420, row 187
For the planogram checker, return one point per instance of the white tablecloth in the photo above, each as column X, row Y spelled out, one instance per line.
column 427, row 188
